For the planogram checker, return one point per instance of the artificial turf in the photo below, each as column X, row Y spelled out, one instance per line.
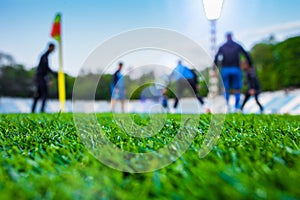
column 42, row 156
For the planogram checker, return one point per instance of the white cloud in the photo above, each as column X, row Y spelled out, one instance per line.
column 280, row 31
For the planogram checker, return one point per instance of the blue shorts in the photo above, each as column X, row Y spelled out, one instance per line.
column 232, row 77
column 118, row 94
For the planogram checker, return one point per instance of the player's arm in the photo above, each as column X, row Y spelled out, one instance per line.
column 216, row 60
column 246, row 54
column 46, row 64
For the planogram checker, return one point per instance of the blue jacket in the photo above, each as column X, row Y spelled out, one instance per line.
column 182, row 72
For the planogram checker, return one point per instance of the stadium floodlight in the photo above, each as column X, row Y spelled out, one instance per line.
column 212, row 9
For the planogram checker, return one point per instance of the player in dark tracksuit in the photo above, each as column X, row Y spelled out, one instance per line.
column 230, row 67
column 253, row 87
column 41, row 79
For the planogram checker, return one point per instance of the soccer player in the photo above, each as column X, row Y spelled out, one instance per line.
column 41, row 76
column 231, row 73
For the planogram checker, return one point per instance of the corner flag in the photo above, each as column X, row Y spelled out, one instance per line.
column 56, row 34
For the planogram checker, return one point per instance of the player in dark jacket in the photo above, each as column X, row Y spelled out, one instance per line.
column 253, row 86
column 41, row 73
column 230, row 53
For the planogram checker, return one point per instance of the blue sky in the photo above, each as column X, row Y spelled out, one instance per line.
column 26, row 24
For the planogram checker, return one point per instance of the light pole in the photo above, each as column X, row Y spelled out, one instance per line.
column 212, row 10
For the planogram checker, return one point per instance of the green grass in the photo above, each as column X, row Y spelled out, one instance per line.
column 256, row 157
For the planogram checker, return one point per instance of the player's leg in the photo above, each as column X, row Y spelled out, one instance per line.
column 37, row 96
column 193, row 84
column 179, row 90
column 247, row 96
column 122, row 99
column 237, row 85
column 44, row 95
column 114, row 97
column 225, row 77
column 258, row 103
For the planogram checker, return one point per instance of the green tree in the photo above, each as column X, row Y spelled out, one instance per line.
column 278, row 64
column 289, row 62
column 15, row 81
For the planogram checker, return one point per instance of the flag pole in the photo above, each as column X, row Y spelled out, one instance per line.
column 56, row 34
column 61, row 80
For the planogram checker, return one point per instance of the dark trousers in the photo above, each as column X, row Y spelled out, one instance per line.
column 247, row 96
column 41, row 92
column 186, row 84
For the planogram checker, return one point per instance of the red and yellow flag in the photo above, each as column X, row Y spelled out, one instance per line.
column 56, row 28
column 56, row 34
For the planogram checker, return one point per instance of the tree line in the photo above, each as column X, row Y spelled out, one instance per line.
column 277, row 64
